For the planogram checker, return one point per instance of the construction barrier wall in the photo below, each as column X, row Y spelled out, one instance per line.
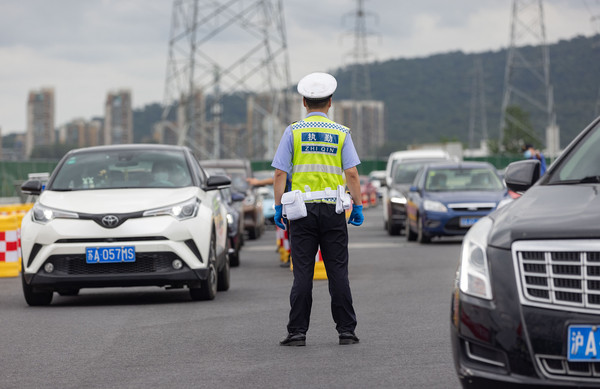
column 11, row 217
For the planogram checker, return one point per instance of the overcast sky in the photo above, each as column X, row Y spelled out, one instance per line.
column 84, row 48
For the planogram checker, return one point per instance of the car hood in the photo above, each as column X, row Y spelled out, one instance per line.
column 115, row 200
column 549, row 212
column 466, row 196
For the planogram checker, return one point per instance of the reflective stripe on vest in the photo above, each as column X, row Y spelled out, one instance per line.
column 317, row 160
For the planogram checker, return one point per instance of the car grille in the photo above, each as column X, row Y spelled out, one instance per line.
column 472, row 207
column 559, row 274
column 144, row 263
column 558, row 367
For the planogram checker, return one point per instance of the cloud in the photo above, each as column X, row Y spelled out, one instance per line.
column 86, row 48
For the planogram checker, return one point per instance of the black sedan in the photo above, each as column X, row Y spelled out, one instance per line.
column 526, row 304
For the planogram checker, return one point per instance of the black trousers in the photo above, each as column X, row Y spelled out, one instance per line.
column 327, row 229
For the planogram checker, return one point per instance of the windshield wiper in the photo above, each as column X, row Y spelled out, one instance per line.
column 590, row 179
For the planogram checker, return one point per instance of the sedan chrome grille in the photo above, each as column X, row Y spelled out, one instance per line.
column 559, row 274
column 558, row 367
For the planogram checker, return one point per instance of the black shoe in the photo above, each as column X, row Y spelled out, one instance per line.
column 348, row 338
column 284, row 264
column 294, row 340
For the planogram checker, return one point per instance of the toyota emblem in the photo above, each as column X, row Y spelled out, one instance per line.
column 110, row 221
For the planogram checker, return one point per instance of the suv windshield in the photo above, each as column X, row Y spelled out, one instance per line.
column 112, row 169
column 405, row 172
column 582, row 164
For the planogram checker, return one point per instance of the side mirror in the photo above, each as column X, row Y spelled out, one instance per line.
column 521, row 175
column 413, row 189
column 237, row 196
column 33, row 187
column 217, row 182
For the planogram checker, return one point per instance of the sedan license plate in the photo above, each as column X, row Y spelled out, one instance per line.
column 110, row 254
column 468, row 221
column 583, row 343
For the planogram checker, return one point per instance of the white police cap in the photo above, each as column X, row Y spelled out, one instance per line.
column 317, row 85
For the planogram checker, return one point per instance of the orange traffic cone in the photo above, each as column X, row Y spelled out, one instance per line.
column 320, row 272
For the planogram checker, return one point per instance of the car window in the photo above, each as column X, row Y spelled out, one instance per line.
column 583, row 161
column 465, row 179
column 112, row 169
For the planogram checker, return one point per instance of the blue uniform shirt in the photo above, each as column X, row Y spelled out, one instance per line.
column 285, row 151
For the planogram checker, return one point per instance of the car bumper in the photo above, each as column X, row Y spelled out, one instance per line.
column 189, row 277
column 501, row 343
column 448, row 223
column 396, row 214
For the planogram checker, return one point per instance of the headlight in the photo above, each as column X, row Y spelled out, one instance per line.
column 229, row 219
column 397, row 198
column 474, row 270
column 504, row 202
column 42, row 214
column 434, row 206
column 181, row 211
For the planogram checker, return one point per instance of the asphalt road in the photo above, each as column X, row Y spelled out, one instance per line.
column 150, row 337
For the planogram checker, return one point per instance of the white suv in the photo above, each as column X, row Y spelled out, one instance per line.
column 126, row 215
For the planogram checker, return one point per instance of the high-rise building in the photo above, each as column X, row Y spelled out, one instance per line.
column 40, row 119
column 366, row 121
column 118, row 118
column 80, row 133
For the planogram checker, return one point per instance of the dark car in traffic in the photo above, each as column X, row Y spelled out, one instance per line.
column 447, row 198
column 403, row 175
column 239, row 170
column 526, row 301
column 235, row 217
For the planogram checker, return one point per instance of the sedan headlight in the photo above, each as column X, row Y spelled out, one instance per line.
column 181, row 211
column 397, row 198
column 229, row 219
column 434, row 206
column 474, row 269
column 42, row 214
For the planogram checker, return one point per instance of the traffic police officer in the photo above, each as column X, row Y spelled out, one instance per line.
column 315, row 152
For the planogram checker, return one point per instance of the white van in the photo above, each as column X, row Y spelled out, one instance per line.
column 395, row 159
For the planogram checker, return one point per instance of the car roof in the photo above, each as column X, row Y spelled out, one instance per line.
column 132, row 146
column 225, row 163
column 419, row 154
column 460, row 165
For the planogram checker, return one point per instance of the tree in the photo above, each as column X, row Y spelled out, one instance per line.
column 518, row 130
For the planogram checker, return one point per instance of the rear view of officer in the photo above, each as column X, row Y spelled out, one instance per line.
column 316, row 152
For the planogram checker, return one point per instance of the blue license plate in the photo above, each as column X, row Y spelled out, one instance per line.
column 110, row 254
column 468, row 221
column 583, row 343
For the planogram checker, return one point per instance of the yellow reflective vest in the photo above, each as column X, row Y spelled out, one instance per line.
column 317, row 160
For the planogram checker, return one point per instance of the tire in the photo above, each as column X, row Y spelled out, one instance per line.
column 393, row 229
column 410, row 235
column 208, row 287
column 422, row 237
column 253, row 233
column 234, row 259
column 223, row 276
column 33, row 298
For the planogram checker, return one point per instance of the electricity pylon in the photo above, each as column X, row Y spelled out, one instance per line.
column 478, row 109
column 527, row 73
column 220, row 48
column 361, row 81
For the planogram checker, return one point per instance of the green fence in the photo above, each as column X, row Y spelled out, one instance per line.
column 367, row 166
column 13, row 173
